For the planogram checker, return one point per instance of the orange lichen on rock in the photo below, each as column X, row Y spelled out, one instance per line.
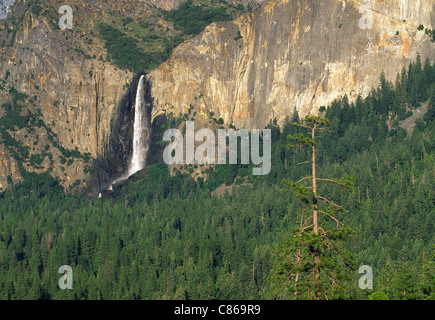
column 405, row 48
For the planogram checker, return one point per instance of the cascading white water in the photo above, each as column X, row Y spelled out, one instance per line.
column 141, row 132
column 141, row 135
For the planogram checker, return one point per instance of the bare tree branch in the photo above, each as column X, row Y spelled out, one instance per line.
column 307, row 227
column 304, row 178
column 330, row 202
column 332, row 217
column 310, row 217
column 334, row 181
column 303, row 162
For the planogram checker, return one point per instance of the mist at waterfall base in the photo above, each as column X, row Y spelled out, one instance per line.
column 141, row 135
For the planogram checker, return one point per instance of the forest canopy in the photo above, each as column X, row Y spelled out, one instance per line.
column 171, row 237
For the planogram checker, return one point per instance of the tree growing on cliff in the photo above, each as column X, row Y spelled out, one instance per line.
column 312, row 262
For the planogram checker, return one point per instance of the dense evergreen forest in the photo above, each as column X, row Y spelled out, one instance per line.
column 170, row 237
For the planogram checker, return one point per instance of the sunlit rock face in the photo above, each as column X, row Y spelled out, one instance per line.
column 80, row 99
column 284, row 55
column 292, row 54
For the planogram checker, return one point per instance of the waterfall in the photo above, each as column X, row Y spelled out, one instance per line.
column 141, row 136
column 141, row 132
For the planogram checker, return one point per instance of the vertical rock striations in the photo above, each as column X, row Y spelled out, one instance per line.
column 286, row 54
column 291, row 54
column 80, row 99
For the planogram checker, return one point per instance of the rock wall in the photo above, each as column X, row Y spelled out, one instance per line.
column 286, row 54
column 79, row 98
column 291, row 54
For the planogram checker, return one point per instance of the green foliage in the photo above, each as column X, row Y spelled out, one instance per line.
column 142, row 44
column 76, row 183
column 17, row 117
column 164, row 236
column 293, row 276
column 36, row 9
column 313, row 263
column 124, row 51
column 238, row 37
column 378, row 295
column 193, row 251
column 300, row 139
column 192, row 19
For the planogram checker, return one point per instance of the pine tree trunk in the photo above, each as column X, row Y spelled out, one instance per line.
column 315, row 223
column 316, row 269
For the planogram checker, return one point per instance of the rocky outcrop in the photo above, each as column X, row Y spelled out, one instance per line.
column 287, row 54
column 291, row 54
column 253, row 4
column 9, row 169
column 80, row 98
column 167, row 4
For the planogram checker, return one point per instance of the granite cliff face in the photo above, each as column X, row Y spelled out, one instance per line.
column 82, row 103
column 80, row 99
column 291, row 54
column 286, row 54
